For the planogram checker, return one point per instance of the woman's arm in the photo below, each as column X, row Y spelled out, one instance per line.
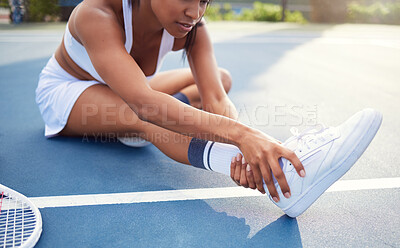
column 103, row 38
column 205, row 71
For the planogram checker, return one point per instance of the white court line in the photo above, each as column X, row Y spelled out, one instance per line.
column 195, row 194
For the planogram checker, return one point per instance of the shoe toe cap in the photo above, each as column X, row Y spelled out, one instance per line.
column 358, row 123
column 351, row 133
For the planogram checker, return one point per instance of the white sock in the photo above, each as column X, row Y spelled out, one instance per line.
column 212, row 156
column 220, row 157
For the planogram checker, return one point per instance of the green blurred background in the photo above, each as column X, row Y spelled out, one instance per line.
column 300, row 11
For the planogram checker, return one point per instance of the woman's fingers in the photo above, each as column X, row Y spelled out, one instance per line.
column 233, row 169
column 243, row 178
column 279, row 176
column 291, row 156
column 242, row 174
column 270, row 185
column 250, row 177
column 238, row 165
column 258, row 179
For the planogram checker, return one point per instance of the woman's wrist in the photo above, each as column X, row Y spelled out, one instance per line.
column 243, row 134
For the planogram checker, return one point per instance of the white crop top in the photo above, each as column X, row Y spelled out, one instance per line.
column 79, row 55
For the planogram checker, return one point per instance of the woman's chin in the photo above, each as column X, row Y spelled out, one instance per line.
column 176, row 32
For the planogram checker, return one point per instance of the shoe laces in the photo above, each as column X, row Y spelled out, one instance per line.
column 311, row 135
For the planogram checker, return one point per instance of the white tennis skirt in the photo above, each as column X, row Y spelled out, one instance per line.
column 56, row 94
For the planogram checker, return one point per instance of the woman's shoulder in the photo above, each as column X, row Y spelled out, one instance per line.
column 97, row 9
column 92, row 16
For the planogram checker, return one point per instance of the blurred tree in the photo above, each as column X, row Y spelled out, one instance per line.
column 42, row 10
column 4, row 4
column 329, row 10
column 284, row 5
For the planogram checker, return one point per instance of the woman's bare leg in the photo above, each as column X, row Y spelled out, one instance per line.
column 181, row 80
column 99, row 111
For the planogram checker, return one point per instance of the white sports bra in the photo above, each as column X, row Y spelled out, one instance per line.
column 79, row 55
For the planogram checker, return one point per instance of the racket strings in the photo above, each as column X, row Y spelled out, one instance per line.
column 17, row 222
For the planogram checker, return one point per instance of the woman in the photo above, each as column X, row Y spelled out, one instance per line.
column 101, row 80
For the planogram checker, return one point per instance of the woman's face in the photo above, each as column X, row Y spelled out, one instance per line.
column 179, row 16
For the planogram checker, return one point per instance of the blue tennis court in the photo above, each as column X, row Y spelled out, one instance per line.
column 96, row 192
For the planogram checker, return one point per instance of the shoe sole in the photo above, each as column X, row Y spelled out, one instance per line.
column 319, row 187
column 135, row 144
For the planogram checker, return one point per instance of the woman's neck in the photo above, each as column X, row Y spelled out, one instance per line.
column 145, row 23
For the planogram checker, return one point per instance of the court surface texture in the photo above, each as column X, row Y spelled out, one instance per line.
column 96, row 192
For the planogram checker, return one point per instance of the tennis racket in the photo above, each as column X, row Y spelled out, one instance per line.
column 20, row 220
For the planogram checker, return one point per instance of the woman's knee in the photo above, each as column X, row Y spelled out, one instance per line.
column 226, row 79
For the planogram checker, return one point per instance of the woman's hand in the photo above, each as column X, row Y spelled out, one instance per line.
column 262, row 153
column 241, row 172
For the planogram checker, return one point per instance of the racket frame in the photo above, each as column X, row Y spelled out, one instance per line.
column 34, row 237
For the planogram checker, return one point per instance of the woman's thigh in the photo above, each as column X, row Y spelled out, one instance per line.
column 99, row 110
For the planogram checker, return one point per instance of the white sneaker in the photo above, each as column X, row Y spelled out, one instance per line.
column 133, row 141
column 326, row 154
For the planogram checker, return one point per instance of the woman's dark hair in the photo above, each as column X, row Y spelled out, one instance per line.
column 191, row 36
